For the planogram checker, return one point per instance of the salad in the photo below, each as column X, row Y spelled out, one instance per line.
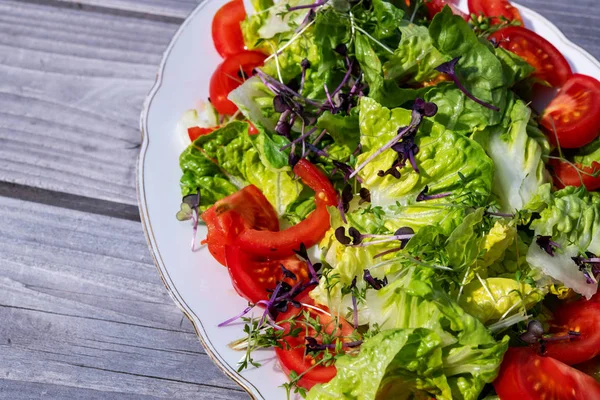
column 403, row 223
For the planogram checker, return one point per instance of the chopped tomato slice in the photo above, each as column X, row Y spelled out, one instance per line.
column 252, row 129
column 293, row 356
column 226, row 31
column 565, row 174
column 549, row 63
column 436, row 6
column 495, row 9
column 582, row 316
column 229, row 75
column 196, row 131
column 253, row 277
column 230, row 216
column 310, row 231
column 572, row 116
column 525, row 375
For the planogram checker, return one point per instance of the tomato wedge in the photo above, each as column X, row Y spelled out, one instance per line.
column 292, row 355
column 525, row 375
column 581, row 316
column 573, row 113
column 310, row 231
column 254, row 277
column 226, row 31
column 549, row 63
column 436, row 6
column 565, row 174
column 495, row 9
column 229, row 76
column 196, row 131
column 228, row 217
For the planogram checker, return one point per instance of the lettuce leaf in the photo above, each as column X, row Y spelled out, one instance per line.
column 588, row 154
column 220, row 163
column 448, row 162
column 520, row 169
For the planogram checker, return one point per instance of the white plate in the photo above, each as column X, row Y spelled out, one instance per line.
column 197, row 283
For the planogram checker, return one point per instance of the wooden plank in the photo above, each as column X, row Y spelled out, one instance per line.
column 72, row 84
column 85, row 315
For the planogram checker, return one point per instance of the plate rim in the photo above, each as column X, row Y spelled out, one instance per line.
column 212, row 352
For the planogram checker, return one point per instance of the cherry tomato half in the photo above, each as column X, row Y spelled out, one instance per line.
column 196, row 131
column 436, row 6
column 228, row 217
column 229, row 75
column 582, row 316
column 525, row 375
column 573, row 113
column 565, row 174
column 310, row 231
column 495, row 9
column 292, row 355
column 226, row 31
column 549, row 63
column 253, row 277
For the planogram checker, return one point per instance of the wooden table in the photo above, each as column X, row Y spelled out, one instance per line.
column 83, row 312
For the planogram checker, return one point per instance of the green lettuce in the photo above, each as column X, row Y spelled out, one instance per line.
column 589, row 154
column 520, row 169
column 571, row 217
column 461, row 355
column 416, row 58
column 448, row 162
column 220, row 163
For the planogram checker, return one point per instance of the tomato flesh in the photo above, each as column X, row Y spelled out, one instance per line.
column 292, row 355
column 226, row 31
column 230, row 74
column 436, row 6
column 309, row 232
column 525, row 375
column 253, row 277
column 565, row 174
column 572, row 116
column 549, row 63
column 581, row 316
column 228, row 217
column 495, row 9
column 196, row 131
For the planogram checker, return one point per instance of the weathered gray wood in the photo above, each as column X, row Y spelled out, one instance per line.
column 72, row 85
column 85, row 315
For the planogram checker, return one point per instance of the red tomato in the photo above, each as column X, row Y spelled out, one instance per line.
column 310, row 231
column 195, row 132
column 436, row 6
column 292, row 356
column 252, row 129
column 525, row 375
column 549, row 63
column 495, row 8
column 581, row 316
column 565, row 174
column 573, row 113
column 228, row 217
column 253, row 277
column 226, row 31
column 228, row 76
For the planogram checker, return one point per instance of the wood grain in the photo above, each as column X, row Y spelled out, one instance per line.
column 85, row 315
column 72, row 85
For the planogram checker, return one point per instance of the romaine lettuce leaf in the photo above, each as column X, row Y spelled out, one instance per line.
column 520, row 169
column 448, row 162
column 220, row 163
column 588, row 154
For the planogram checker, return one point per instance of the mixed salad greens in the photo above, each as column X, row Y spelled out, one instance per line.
column 428, row 227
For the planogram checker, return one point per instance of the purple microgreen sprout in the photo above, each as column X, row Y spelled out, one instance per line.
column 302, row 253
column 293, row 159
column 449, row 68
column 546, row 243
column 344, row 201
column 277, row 87
column 423, row 196
column 341, row 49
column 589, row 266
column 354, row 304
column 313, row 346
column 420, row 109
column 375, row 283
column 345, row 170
column 189, row 210
column 357, row 239
column 365, row 196
column 535, row 331
column 405, row 231
column 299, row 139
column 305, row 64
column 406, row 150
column 313, row 6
